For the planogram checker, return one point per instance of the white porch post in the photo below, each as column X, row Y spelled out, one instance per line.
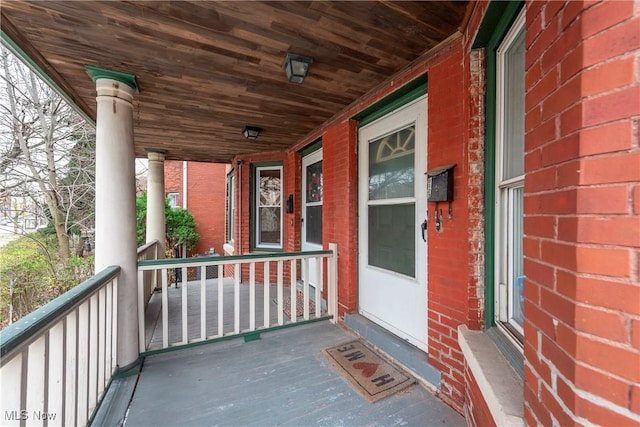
column 116, row 241
column 156, row 221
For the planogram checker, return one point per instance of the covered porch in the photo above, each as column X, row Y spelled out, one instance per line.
column 281, row 379
column 180, row 81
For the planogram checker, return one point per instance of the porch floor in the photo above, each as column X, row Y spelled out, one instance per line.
column 281, row 379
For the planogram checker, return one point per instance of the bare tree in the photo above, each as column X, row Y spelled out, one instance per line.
column 47, row 151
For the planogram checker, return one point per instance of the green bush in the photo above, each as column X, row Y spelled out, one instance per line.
column 31, row 274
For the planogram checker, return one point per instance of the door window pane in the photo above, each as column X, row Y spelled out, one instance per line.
column 391, row 165
column 392, row 238
column 314, row 182
column 269, row 231
column 269, row 211
column 313, row 224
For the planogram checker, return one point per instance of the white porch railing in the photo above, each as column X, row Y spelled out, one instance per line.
column 225, row 307
column 57, row 362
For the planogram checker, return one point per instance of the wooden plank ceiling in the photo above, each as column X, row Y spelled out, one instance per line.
column 207, row 68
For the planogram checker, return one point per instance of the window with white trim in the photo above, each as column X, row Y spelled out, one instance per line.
column 268, row 207
column 173, row 200
column 509, row 179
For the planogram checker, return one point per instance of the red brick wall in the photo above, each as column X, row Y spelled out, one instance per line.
column 582, row 222
column 340, row 206
column 476, row 410
column 206, row 199
column 173, row 178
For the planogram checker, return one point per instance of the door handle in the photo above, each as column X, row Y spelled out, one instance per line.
column 423, row 228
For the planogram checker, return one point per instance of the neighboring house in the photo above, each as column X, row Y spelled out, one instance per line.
column 200, row 188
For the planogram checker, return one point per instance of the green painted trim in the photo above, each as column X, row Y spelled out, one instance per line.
column 252, row 337
column 499, row 18
column 311, row 148
column 26, row 59
column 231, row 337
column 229, row 259
column 99, row 403
column 407, row 93
column 132, row 368
column 26, row 329
column 101, row 73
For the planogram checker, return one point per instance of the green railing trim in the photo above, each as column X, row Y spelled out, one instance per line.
column 147, row 246
column 25, row 329
column 234, row 336
column 218, row 259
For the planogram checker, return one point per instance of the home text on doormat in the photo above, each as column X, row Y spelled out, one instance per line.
column 368, row 372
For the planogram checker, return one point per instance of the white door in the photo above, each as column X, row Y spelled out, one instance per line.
column 392, row 260
column 311, row 215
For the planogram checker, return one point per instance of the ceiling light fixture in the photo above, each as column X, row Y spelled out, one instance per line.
column 251, row 132
column 296, row 67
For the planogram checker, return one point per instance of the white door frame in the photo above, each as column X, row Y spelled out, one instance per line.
column 308, row 160
column 395, row 301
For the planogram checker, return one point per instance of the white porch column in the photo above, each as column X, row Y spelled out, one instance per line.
column 156, row 221
column 116, row 241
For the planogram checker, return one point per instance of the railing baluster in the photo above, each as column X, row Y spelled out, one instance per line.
column 101, row 340
column 107, row 331
column 165, row 312
column 305, row 287
column 266, row 295
column 318, row 297
column 203, row 303
column 141, row 330
column 280, row 292
column 252, row 296
column 92, row 397
column 12, row 374
column 71, row 369
column 56, row 370
column 294, row 294
column 220, row 302
column 332, row 282
column 114, row 325
column 83, row 345
column 184, row 313
column 236, row 299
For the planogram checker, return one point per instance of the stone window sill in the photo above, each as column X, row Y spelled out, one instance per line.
column 498, row 382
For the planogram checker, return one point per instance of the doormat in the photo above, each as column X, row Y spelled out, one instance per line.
column 286, row 305
column 368, row 372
